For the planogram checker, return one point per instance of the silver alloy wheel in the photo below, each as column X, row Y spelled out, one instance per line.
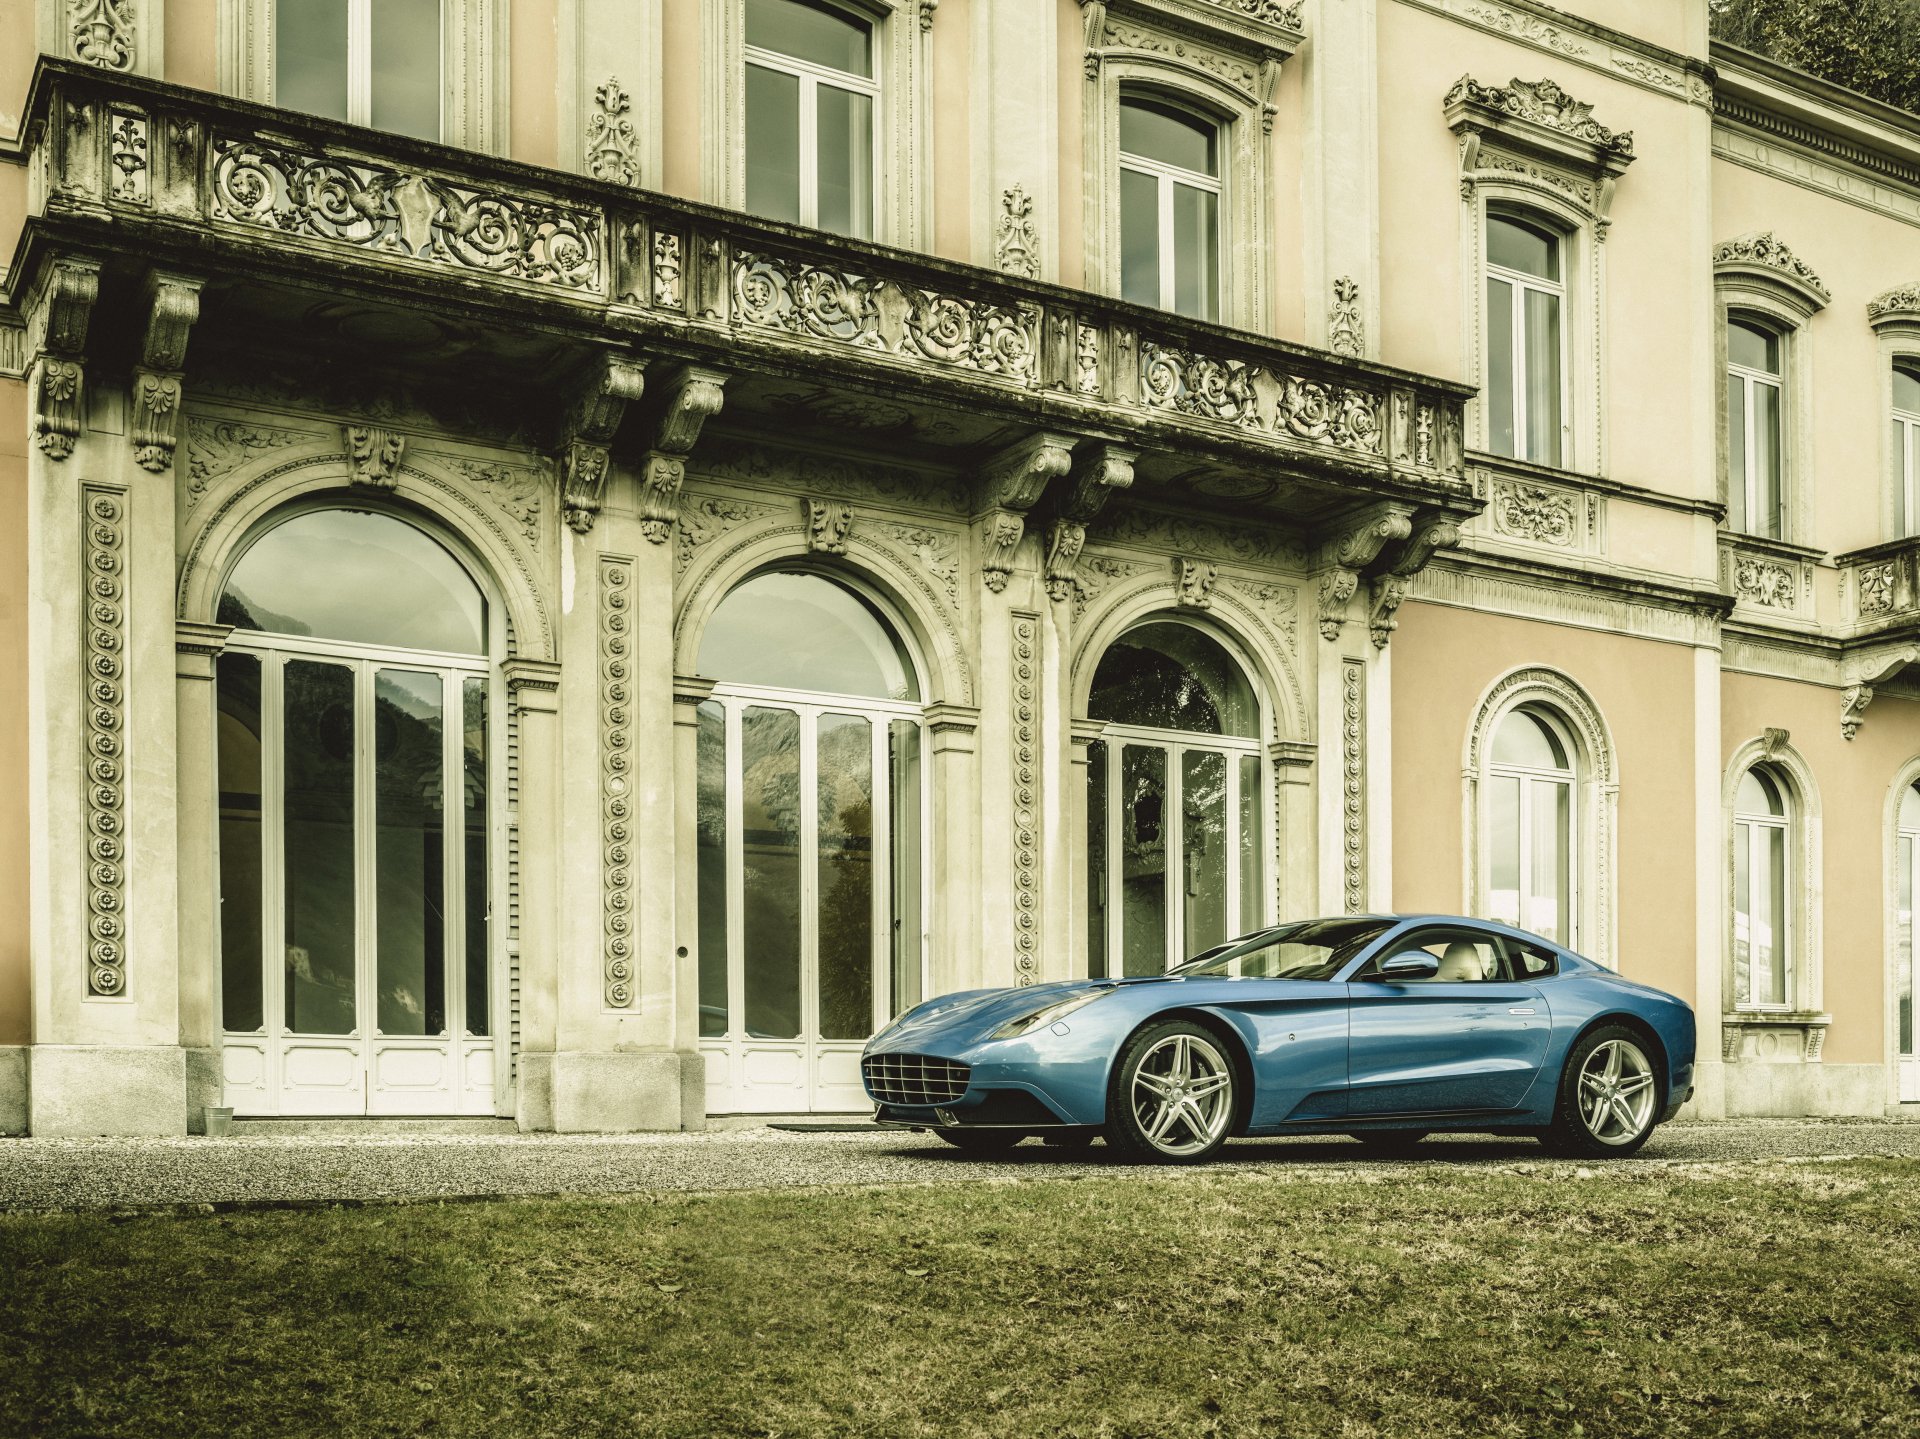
column 1617, row 1092
column 1182, row 1094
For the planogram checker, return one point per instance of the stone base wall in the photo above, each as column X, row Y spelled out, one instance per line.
column 13, row 1089
column 1786, row 1091
column 81, row 1090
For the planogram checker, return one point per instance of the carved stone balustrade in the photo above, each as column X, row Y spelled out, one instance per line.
column 271, row 207
column 1882, row 589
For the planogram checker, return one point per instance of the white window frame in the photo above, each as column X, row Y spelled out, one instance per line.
column 1903, row 1065
column 1906, row 486
column 1751, row 378
column 811, row 78
column 1165, row 177
column 1805, row 905
column 1752, row 831
column 473, row 64
column 1521, row 282
column 1531, row 776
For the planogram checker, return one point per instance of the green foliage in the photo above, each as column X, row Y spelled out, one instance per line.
column 1872, row 46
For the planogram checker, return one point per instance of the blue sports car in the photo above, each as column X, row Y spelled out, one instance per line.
column 1386, row 1028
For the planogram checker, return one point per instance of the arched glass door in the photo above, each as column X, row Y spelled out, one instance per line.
column 355, row 861
column 1175, row 801
column 1906, row 877
column 1530, row 827
column 809, row 842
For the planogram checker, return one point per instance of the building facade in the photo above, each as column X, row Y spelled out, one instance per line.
column 566, row 559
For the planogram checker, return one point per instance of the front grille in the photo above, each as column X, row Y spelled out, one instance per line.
column 914, row 1078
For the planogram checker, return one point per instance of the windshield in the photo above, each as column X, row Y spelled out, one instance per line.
column 1314, row 950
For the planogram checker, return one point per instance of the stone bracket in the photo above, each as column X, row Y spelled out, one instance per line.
column 1007, row 486
column 1096, row 474
column 1429, row 534
column 587, row 436
column 1862, row 676
column 689, row 398
column 57, row 342
column 1351, row 547
column 173, row 304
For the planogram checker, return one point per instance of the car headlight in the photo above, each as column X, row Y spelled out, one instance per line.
column 1047, row 1014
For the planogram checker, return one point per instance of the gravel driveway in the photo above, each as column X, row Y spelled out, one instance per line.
column 318, row 1168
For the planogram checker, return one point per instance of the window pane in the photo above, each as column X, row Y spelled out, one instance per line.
column 1500, row 367
column 1910, row 808
column 1503, row 848
column 845, row 796
column 773, row 144
column 1139, row 238
column 1743, row 926
column 1196, row 250
column 1903, row 952
column 903, row 840
column 318, row 773
column 710, row 830
column 846, row 162
column 1906, row 390
column 1776, row 841
column 819, row 34
column 409, row 739
column 1524, row 741
column 1203, row 859
column 1736, row 453
column 1899, row 462
column 1097, row 860
column 406, row 67
column 1753, row 347
column 1253, row 907
column 473, row 761
column 1543, row 377
column 242, row 1005
column 1172, row 676
column 1549, row 875
column 1766, row 459
column 800, row 631
column 310, row 56
column 1514, row 246
column 1143, row 860
column 770, row 865
column 353, row 575
column 1758, row 795
column 1169, row 135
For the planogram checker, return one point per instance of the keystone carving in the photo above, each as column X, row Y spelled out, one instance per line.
column 173, row 306
column 1097, row 474
column 612, row 385
column 1196, row 580
column 374, row 454
column 58, row 342
column 827, row 524
column 689, row 398
column 1008, row 486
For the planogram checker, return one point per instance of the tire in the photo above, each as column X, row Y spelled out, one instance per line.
column 1171, row 1096
column 1610, row 1098
column 982, row 1141
column 1389, row 1141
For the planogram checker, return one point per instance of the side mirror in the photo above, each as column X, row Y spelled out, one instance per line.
column 1411, row 964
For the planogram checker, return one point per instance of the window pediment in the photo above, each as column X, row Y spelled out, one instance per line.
column 1536, row 135
column 1256, row 29
column 1764, row 262
column 1897, row 309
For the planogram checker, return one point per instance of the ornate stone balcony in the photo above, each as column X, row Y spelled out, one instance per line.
column 547, row 278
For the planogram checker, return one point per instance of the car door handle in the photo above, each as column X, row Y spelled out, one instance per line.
column 1520, row 1011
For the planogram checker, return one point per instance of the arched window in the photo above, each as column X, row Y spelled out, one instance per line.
column 1176, row 850
column 1526, row 292
column 355, row 829
column 1755, row 496
column 811, row 94
column 1169, row 207
column 1905, row 451
column 1906, row 880
column 809, row 840
column 1761, row 921
column 1531, row 849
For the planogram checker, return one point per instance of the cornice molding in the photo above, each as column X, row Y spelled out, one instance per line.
column 1587, row 43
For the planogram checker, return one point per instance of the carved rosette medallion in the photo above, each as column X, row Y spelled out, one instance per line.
column 616, row 777
column 1026, row 798
column 1353, row 775
column 104, row 643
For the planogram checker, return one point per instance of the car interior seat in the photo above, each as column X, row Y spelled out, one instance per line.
column 1461, row 961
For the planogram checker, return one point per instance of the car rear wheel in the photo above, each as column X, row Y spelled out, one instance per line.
column 1171, row 1097
column 982, row 1141
column 1609, row 1096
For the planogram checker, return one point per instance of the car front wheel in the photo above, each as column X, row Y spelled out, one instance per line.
column 1609, row 1096
column 1171, row 1096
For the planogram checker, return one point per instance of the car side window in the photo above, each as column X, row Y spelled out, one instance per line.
column 1462, row 958
column 1533, row 962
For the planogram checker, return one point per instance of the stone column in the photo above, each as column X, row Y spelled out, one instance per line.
column 1297, row 839
column 196, row 656
column 689, row 692
column 954, row 849
column 1082, row 736
column 534, row 837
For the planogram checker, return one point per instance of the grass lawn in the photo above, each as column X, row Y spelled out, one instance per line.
column 1421, row 1300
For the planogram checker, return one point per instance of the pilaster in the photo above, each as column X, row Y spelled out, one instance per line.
column 1340, row 178
column 534, row 835
column 197, row 650
column 1016, row 137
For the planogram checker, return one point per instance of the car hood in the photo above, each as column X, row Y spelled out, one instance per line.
column 976, row 1013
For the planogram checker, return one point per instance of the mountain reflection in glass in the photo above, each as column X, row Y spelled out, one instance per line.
column 318, row 773
column 410, row 883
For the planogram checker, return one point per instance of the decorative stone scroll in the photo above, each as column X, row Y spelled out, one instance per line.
column 827, row 524
column 1899, row 307
column 60, row 318
column 1250, row 396
column 616, row 779
column 1194, row 581
column 129, row 174
column 1098, row 473
column 1008, row 486
column 101, row 32
column 1346, row 330
column 612, row 144
column 1428, row 534
column 1761, row 256
column 598, row 408
column 422, row 218
column 1542, row 103
column 1352, row 548
column 103, row 660
column 690, row 397
column 1016, row 239
column 173, row 306
column 373, row 455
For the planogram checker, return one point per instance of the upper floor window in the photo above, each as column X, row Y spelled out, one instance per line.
column 365, row 63
column 1754, row 431
column 1526, row 292
column 1169, row 208
column 811, row 98
column 1759, row 893
column 1906, row 447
